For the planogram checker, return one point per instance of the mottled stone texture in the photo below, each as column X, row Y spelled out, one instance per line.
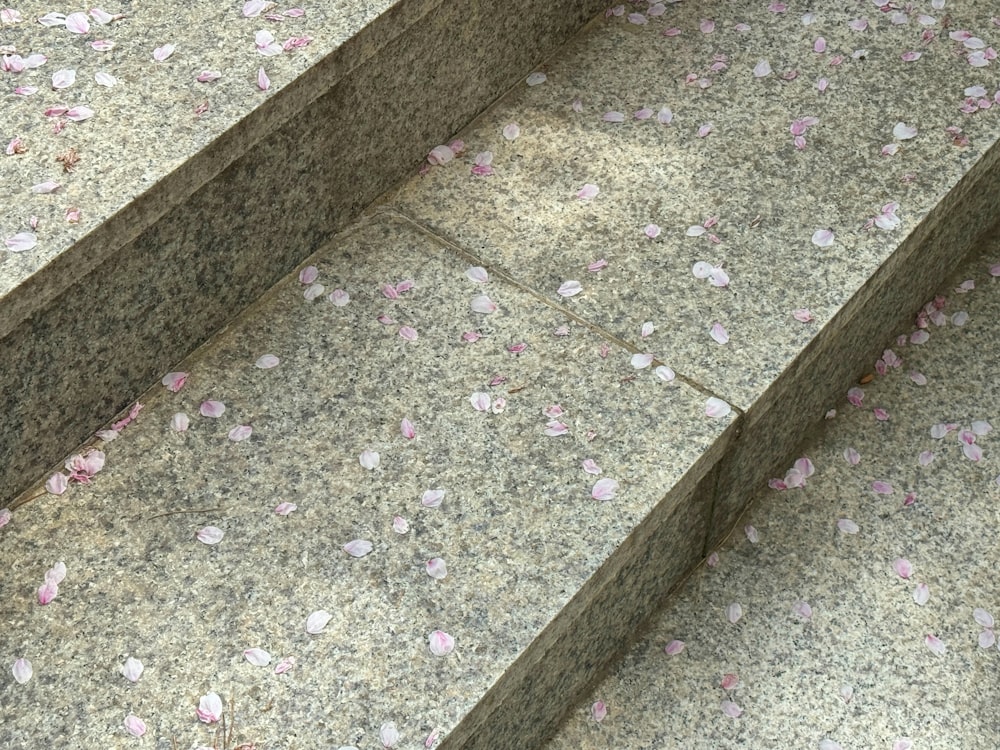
column 111, row 312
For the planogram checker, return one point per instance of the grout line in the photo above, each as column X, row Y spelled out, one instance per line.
column 506, row 276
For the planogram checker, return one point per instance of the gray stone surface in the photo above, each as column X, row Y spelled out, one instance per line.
column 543, row 584
column 867, row 630
column 185, row 219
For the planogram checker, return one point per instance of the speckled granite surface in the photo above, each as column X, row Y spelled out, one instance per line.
column 872, row 107
column 528, row 550
column 858, row 672
column 190, row 217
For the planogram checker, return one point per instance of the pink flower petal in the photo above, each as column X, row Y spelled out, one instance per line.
column 935, row 644
column 480, row 401
column 132, row 669
column 852, row 456
column 882, row 488
column 21, row 241
column 982, row 617
column 436, row 568
column 162, row 53
column 569, row 288
column 598, row 711
column 240, row 433
column 588, row 191
column 641, row 361
column 408, row 333
column 987, row 639
column 432, row 498
column 591, row 467
column 400, row 525
column 440, row 643
column 317, row 621
column 674, row 647
column 730, row 709
column 47, row 592
column 179, row 422
column 56, row 484
column 388, row 735
column 267, row 361
column 729, row 681
column 210, row 535
column 78, row 23
column 652, row 231
column 283, row 509
column 921, row 594
column 753, row 536
column 369, row 459
column 5, row 516
column 823, row 237
column 22, row 671
column 734, row 612
column 604, row 489
column 135, row 726
column 665, row 373
column 483, row 304
column 214, row 409
column 284, row 665
column 903, row 567
column 209, row 708
column 719, row 334
column 358, row 547
column 762, row 69
column 847, row 526
column 174, row 381
column 717, row 408
column 511, row 131
column 555, row 428
column 407, row 429
column 257, row 656
column 56, row 574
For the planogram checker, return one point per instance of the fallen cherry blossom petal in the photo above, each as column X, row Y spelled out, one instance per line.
column 440, row 643
column 408, row 333
column 284, row 665
column 882, row 488
column 590, row 466
column 214, row 409
column 847, row 526
column 78, row 23
column 240, row 433
column 22, row 670
column 407, row 429
column 267, row 361
column 257, row 656
column 47, row 592
column 921, row 594
column 903, row 567
column 478, row 275
column 339, row 298
column 803, row 610
column 652, row 231
column 604, row 489
column 388, row 735
column 828, row 744
column 762, row 69
column 730, row 709
column 511, row 131
column 174, row 381
column 308, row 275
column 925, row 457
column 283, row 509
column 132, row 669
column 180, row 422
column 972, row 451
column 598, row 711
column 400, row 525
column 569, row 288
column 21, row 241
column 935, row 644
column 209, row 708
column 369, row 459
column 5, row 516
column 358, row 547
column 641, row 361
column 982, row 617
column 135, row 726
column 483, row 304
column 903, row 132
column 263, row 82
column 987, row 638
column 719, row 334
column 535, row 79
column 918, row 378
column 734, row 612
column 588, row 191
column 753, row 536
column 162, row 53
column 210, row 535
column 436, row 568
column 823, row 237
column 665, row 373
column 555, row 428
column 717, row 408
column 317, row 621
column 674, row 647
column 729, row 681
column 56, row 484
column 432, row 498
column 480, row 401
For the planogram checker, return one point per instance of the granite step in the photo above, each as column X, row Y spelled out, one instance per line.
column 866, row 615
column 189, row 191
column 527, row 304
